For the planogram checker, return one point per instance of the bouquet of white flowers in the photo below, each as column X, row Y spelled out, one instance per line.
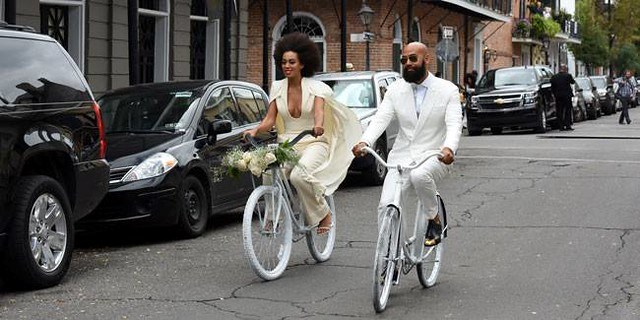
column 258, row 159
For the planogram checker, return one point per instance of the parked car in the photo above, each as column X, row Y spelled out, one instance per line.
column 606, row 96
column 590, row 94
column 166, row 143
column 579, row 105
column 512, row 97
column 52, row 147
column 362, row 92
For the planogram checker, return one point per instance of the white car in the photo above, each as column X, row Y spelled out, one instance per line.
column 362, row 92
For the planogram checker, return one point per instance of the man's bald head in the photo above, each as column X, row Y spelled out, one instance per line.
column 416, row 47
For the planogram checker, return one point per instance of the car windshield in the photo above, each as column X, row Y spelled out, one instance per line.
column 600, row 83
column 507, row 77
column 353, row 93
column 583, row 83
column 156, row 111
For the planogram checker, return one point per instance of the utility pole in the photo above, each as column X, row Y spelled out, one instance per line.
column 611, row 37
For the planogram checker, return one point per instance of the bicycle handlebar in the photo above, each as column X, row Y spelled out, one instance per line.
column 295, row 140
column 410, row 167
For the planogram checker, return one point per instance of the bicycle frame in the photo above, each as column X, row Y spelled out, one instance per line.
column 417, row 255
column 286, row 190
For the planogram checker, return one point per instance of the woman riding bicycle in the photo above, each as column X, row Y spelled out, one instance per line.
column 299, row 103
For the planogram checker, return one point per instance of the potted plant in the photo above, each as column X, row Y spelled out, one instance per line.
column 523, row 29
column 543, row 28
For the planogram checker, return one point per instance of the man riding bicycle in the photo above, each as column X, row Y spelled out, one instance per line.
column 429, row 117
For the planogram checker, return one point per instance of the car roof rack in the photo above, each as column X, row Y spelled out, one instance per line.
column 5, row 25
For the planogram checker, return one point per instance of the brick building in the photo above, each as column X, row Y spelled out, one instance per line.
column 121, row 42
column 394, row 23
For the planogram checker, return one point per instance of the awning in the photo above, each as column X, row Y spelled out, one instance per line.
column 470, row 9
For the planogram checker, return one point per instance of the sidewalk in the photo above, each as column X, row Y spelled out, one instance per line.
column 603, row 127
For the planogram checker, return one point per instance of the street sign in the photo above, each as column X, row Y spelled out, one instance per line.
column 447, row 32
column 362, row 37
column 368, row 36
column 447, row 50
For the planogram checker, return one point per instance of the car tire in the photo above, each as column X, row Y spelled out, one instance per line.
column 496, row 130
column 377, row 172
column 193, row 213
column 542, row 122
column 48, row 261
column 592, row 112
column 474, row 131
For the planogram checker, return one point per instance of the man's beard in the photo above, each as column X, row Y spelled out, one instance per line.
column 414, row 75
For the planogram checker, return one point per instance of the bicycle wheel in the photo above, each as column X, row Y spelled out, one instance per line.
column 429, row 268
column 385, row 260
column 267, row 233
column 321, row 246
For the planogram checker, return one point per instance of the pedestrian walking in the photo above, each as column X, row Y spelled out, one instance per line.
column 561, row 87
column 626, row 92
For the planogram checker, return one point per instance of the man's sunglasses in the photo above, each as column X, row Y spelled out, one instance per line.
column 411, row 58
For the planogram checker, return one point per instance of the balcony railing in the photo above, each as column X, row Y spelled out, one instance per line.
column 500, row 6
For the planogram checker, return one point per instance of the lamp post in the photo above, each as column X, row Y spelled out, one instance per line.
column 366, row 14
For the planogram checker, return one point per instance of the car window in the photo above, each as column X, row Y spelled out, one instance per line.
column 220, row 106
column 583, row 83
column 148, row 111
column 247, row 105
column 35, row 71
column 600, row 83
column 353, row 93
column 507, row 77
column 260, row 102
column 382, row 84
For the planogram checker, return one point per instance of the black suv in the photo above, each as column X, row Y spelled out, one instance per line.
column 52, row 148
column 512, row 97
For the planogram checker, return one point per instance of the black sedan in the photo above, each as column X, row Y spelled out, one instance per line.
column 165, row 146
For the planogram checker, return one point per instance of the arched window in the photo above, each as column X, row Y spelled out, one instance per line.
column 305, row 23
column 397, row 45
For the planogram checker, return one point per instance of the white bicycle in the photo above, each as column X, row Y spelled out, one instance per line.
column 272, row 217
column 395, row 254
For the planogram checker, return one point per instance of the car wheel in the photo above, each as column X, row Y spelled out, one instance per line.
column 474, row 131
column 592, row 113
column 377, row 172
column 40, row 240
column 542, row 122
column 496, row 130
column 193, row 212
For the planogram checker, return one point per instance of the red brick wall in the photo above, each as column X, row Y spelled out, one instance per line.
column 381, row 48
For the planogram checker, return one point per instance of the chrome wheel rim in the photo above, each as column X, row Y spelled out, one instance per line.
column 47, row 232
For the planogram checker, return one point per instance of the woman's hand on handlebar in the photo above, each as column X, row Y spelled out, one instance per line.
column 318, row 131
column 252, row 133
column 358, row 150
column 447, row 156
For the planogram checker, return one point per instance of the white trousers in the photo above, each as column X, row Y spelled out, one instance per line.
column 421, row 182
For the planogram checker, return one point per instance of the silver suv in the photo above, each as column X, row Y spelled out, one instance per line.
column 362, row 92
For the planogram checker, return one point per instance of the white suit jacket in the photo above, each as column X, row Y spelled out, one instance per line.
column 439, row 124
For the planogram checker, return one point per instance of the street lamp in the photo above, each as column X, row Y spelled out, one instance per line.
column 545, row 45
column 366, row 14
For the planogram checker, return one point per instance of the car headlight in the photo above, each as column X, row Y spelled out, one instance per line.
column 474, row 100
column 530, row 97
column 158, row 164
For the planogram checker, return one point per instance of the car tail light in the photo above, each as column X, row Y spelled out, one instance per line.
column 103, row 142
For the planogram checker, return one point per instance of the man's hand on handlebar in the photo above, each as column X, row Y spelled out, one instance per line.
column 447, row 156
column 358, row 149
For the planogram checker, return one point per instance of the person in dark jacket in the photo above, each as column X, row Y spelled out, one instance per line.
column 561, row 87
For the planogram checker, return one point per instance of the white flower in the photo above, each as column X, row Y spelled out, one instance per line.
column 255, row 169
column 247, row 156
column 270, row 158
column 241, row 165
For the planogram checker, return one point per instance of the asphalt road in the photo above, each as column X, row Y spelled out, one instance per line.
column 542, row 227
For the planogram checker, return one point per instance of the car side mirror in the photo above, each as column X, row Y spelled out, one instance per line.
column 215, row 128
